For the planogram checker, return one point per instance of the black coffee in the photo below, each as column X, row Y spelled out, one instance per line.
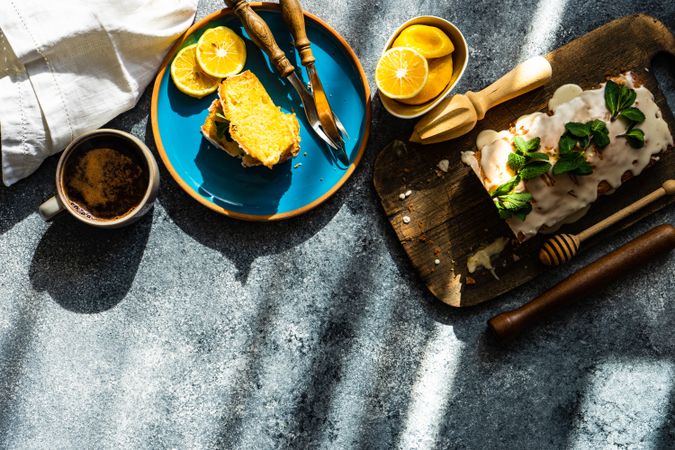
column 106, row 178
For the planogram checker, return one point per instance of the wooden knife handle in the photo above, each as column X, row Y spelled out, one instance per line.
column 261, row 34
column 594, row 276
column 291, row 10
column 523, row 78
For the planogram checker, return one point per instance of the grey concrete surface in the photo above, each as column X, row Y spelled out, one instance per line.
column 189, row 330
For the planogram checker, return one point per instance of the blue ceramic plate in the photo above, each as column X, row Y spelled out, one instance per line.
column 219, row 181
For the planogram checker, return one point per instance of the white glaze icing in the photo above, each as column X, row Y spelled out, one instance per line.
column 483, row 257
column 564, row 94
column 559, row 199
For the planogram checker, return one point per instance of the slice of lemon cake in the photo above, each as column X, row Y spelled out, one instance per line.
column 246, row 123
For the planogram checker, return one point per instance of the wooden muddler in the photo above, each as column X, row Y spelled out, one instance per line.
column 598, row 274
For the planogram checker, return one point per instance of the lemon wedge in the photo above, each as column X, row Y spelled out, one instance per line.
column 188, row 77
column 440, row 74
column 401, row 73
column 430, row 41
column 221, row 52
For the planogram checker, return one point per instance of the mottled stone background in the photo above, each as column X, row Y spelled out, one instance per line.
column 189, row 330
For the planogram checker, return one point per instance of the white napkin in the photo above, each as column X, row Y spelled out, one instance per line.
column 67, row 67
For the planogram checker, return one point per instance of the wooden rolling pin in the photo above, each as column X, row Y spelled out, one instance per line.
column 598, row 274
column 458, row 115
column 563, row 247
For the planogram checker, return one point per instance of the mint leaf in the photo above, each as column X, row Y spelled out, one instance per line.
column 515, row 204
column 574, row 162
column 537, row 155
column 584, row 168
column 627, row 97
column 223, row 127
column 506, row 187
column 597, row 125
column 635, row 137
column 601, row 138
column 534, row 169
column 566, row 143
column 567, row 163
column 516, row 161
column 523, row 212
column 632, row 115
column 523, row 146
column 578, row 129
column 600, row 133
column 612, row 91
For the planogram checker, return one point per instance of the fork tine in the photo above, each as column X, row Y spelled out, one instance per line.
column 340, row 126
column 339, row 146
column 323, row 136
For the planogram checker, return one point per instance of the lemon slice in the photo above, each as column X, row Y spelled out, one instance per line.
column 220, row 52
column 188, row 77
column 440, row 74
column 401, row 73
column 430, row 41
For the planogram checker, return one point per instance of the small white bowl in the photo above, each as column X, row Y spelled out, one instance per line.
column 460, row 57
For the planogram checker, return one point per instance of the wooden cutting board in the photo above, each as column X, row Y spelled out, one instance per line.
column 452, row 216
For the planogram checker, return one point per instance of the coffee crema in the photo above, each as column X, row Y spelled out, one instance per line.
column 105, row 183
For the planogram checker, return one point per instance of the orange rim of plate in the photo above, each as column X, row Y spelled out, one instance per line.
column 192, row 192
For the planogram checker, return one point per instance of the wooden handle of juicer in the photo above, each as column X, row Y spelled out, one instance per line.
column 523, row 78
column 291, row 11
column 594, row 276
column 261, row 34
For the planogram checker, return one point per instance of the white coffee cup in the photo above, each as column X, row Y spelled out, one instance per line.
column 61, row 202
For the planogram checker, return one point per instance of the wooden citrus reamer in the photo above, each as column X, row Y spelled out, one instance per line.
column 563, row 247
column 458, row 115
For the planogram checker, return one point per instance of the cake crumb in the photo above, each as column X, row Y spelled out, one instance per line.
column 401, row 196
column 297, row 165
column 437, row 261
column 470, row 281
column 443, row 165
column 515, row 257
column 406, row 219
column 408, row 193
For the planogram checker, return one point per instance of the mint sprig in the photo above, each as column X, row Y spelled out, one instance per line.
column 618, row 98
column 526, row 155
column 574, row 142
column 619, row 101
column 527, row 163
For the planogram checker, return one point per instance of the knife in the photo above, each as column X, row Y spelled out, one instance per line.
column 291, row 11
column 262, row 36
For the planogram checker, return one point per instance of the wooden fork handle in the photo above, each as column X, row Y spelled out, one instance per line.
column 598, row 274
column 261, row 34
column 291, row 11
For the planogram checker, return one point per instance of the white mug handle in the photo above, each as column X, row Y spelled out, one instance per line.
column 49, row 209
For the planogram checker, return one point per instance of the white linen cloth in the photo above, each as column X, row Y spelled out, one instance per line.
column 70, row 66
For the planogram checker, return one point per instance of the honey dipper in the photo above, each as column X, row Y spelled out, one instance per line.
column 593, row 277
column 563, row 247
